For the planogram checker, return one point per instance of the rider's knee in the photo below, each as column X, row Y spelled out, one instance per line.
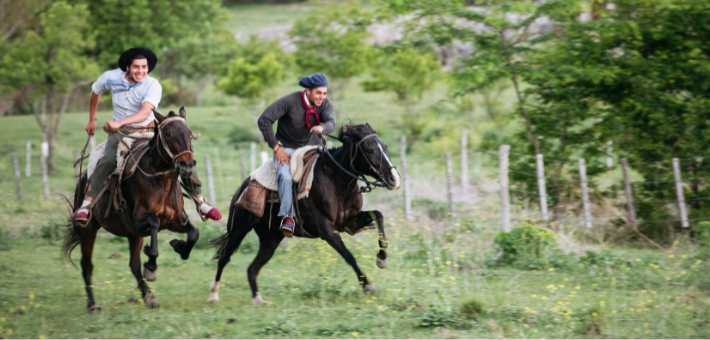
column 284, row 174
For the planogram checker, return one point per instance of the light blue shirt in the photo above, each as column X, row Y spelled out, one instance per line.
column 128, row 98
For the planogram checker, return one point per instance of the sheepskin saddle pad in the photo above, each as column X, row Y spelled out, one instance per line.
column 127, row 156
column 302, row 165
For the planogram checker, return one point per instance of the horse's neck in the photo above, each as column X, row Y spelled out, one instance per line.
column 342, row 181
column 155, row 160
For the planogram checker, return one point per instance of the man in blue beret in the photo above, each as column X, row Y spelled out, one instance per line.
column 299, row 114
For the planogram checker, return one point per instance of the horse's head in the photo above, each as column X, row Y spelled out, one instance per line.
column 369, row 154
column 174, row 140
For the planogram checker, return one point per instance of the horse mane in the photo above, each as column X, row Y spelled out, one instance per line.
column 351, row 133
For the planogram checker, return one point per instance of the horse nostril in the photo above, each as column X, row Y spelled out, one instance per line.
column 194, row 163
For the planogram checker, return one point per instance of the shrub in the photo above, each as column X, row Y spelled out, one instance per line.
column 524, row 245
column 241, row 135
column 702, row 231
column 472, row 308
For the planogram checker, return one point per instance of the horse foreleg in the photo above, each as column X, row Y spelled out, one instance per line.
column 268, row 242
column 363, row 219
column 149, row 268
column 88, row 236
column 185, row 247
column 135, row 244
column 337, row 243
column 382, row 261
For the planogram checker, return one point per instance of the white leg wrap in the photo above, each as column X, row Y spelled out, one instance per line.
column 258, row 301
column 214, row 292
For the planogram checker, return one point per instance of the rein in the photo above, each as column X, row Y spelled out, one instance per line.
column 380, row 182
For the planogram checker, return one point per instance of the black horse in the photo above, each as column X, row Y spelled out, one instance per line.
column 334, row 204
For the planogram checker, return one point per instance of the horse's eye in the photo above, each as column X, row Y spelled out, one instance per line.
column 370, row 151
column 167, row 134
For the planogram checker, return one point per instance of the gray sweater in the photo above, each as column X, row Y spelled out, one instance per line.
column 292, row 130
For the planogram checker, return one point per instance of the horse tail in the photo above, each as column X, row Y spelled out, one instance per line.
column 73, row 237
column 221, row 242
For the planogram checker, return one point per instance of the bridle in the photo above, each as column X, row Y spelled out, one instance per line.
column 163, row 148
column 354, row 150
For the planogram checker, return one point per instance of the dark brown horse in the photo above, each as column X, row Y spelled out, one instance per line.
column 334, row 204
column 154, row 202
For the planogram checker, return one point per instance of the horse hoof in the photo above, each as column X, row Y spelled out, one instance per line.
column 382, row 263
column 178, row 247
column 149, row 275
column 258, row 301
column 369, row 288
column 151, row 302
column 214, row 292
column 94, row 309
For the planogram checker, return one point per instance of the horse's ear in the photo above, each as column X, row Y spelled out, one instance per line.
column 158, row 116
column 183, row 113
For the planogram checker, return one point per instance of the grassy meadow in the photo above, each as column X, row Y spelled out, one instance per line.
column 442, row 282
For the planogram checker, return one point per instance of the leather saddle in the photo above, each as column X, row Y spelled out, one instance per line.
column 255, row 196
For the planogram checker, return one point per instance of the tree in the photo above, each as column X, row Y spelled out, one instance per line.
column 501, row 33
column 332, row 41
column 202, row 58
column 156, row 24
column 47, row 66
column 644, row 68
column 251, row 79
column 406, row 73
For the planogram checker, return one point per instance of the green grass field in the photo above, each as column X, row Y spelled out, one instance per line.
column 436, row 265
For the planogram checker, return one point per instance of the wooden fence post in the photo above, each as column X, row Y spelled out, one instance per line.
column 252, row 157
column 45, row 177
column 449, row 184
column 405, row 181
column 264, row 157
column 680, row 194
column 16, row 164
column 210, row 180
column 28, row 159
column 242, row 164
column 585, row 192
column 464, row 161
column 541, row 187
column 629, row 195
column 503, row 182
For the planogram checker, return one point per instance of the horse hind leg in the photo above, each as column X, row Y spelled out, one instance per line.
column 135, row 244
column 185, row 247
column 268, row 242
column 227, row 244
column 150, row 267
column 88, row 236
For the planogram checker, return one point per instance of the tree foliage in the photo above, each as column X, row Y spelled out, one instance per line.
column 156, row 24
column 47, row 66
column 332, row 41
column 639, row 75
column 406, row 73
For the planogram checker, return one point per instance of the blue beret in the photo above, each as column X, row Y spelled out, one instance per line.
column 313, row 81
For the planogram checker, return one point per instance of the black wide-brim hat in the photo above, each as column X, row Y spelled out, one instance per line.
column 127, row 57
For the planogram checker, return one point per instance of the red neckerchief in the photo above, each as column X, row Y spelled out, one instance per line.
column 309, row 111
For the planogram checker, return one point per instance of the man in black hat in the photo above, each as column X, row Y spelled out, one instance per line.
column 134, row 95
column 299, row 115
